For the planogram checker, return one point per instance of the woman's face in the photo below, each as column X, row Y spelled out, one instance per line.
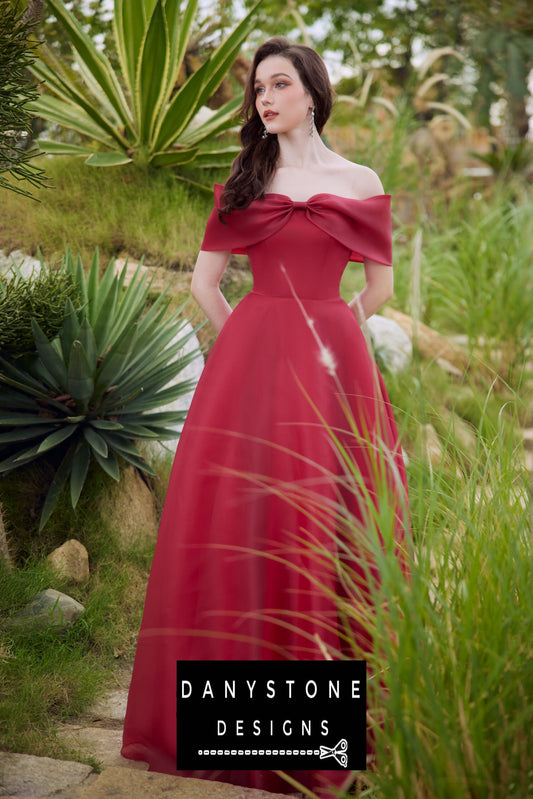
column 281, row 100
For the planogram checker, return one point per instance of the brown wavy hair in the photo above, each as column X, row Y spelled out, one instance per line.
column 254, row 166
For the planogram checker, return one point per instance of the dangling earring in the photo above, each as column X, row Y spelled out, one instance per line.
column 264, row 133
column 312, row 131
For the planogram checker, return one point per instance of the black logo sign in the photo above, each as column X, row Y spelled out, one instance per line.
column 271, row 715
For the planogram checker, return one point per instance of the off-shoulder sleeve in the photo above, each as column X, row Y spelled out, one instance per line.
column 244, row 227
column 222, row 235
column 364, row 226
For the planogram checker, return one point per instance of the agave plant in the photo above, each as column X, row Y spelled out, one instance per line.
column 96, row 387
column 422, row 89
column 139, row 113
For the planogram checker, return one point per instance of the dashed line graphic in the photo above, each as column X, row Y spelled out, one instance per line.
column 339, row 752
column 259, row 752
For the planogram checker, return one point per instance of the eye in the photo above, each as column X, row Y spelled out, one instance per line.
column 259, row 89
column 280, row 84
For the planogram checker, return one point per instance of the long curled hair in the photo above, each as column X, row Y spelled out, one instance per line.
column 254, row 166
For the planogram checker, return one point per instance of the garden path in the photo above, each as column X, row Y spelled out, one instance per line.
column 98, row 735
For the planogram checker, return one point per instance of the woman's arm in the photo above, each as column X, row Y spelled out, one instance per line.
column 379, row 278
column 205, row 289
column 377, row 291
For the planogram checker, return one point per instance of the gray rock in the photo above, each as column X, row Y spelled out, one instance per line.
column 129, row 508
column 101, row 743
column 98, row 733
column 431, row 446
column 16, row 259
column 431, row 345
column 390, row 342
column 111, row 706
column 462, row 433
column 49, row 608
column 30, row 776
column 71, row 560
column 122, row 783
column 191, row 372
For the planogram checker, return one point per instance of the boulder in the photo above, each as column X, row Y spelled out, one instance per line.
column 123, row 783
column 431, row 345
column 129, row 508
column 390, row 343
column 30, row 776
column 430, row 445
column 16, row 260
column 71, row 560
column 49, row 608
column 191, row 372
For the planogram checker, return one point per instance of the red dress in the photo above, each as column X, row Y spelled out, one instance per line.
column 243, row 568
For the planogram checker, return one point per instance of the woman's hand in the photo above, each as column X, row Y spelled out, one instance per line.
column 208, row 271
column 377, row 291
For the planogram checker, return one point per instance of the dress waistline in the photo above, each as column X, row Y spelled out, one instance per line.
column 294, row 298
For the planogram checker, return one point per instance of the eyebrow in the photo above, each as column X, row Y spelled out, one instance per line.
column 275, row 75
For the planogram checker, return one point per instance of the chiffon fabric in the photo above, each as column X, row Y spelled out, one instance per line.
column 289, row 415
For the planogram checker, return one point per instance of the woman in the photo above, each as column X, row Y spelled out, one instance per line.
column 248, row 560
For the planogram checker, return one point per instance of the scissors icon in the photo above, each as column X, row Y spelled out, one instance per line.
column 338, row 752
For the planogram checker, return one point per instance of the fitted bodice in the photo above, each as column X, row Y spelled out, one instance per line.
column 302, row 248
column 300, row 259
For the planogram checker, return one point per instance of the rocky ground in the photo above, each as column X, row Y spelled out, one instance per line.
column 98, row 734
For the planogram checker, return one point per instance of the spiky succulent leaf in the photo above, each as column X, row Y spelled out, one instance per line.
column 98, row 386
column 60, row 478
column 80, row 468
column 135, row 113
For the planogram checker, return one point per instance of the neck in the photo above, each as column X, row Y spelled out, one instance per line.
column 300, row 150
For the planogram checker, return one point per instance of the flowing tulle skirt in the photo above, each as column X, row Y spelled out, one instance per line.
column 289, row 441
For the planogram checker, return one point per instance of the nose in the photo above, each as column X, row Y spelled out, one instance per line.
column 265, row 97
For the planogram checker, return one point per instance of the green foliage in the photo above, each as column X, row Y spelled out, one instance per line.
column 143, row 112
column 454, row 720
column 447, row 696
column 386, row 37
column 16, row 94
column 147, row 213
column 366, row 128
column 45, row 679
column 92, row 391
column 508, row 159
column 42, row 298
column 478, row 280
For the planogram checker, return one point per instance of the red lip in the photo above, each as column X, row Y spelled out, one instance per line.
column 270, row 114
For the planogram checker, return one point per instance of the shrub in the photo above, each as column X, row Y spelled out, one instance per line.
column 16, row 92
column 42, row 298
column 94, row 389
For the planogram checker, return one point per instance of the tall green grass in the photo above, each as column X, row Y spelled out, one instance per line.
column 477, row 277
column 458, row 671
column 451, row 654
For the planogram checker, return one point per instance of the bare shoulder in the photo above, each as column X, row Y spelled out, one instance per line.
column 364, row 182
column 358, row 181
